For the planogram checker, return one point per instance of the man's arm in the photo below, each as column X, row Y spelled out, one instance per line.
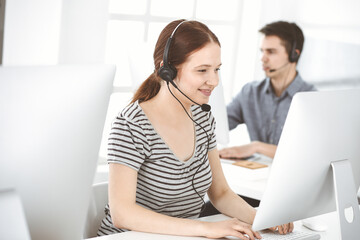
column 247, row 150
column 234, row 112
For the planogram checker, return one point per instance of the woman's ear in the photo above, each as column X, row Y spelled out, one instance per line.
column 178, row 75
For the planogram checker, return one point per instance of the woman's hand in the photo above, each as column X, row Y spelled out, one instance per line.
column 283, row 229
column 231, row 227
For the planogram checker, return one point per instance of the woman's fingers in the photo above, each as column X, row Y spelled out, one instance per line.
column 291, row 227
column 257, row 235
column 233, row 227
column 246, row 228
column 283, row 229
column 273, row 229
column 286, row 228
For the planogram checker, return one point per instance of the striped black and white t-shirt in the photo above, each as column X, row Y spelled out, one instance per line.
column 164, row 183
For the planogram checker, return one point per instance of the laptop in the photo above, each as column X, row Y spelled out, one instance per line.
column 51, row 124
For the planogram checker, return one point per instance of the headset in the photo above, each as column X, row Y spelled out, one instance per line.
column 167, row 71
column 294, row 55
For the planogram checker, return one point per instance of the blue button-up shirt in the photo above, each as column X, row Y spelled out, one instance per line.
column 261, row 110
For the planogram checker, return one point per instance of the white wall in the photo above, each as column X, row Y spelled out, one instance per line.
column 31, row 32
column 56, row 31
column 83, row 31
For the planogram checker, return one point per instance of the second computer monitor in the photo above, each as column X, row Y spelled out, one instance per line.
column 321, row 128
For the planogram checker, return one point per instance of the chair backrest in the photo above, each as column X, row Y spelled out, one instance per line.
column 98, row 201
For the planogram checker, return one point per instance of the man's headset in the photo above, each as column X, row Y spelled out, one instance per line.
column 294, row 55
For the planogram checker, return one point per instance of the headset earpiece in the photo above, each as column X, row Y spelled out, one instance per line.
column 167, row 72
column 293, row 56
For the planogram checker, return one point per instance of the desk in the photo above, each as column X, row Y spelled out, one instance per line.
column 330, row 219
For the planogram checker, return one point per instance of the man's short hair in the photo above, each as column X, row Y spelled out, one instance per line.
column 290, row 34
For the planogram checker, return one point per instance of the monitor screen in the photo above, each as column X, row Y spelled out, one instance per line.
column 321, row 128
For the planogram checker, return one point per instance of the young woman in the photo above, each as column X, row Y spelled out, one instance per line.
column 162, row 148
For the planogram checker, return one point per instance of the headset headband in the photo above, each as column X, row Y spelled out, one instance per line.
column 168, row 43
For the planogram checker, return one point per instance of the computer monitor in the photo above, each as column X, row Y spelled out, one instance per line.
column 218, row 109
column 322, row 129
column 51, row 123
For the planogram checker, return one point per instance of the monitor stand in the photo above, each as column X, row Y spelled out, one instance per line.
column 346, row 199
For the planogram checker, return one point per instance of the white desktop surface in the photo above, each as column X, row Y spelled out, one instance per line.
column 330, row 219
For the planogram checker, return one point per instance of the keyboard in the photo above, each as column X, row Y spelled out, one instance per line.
column 298, row 235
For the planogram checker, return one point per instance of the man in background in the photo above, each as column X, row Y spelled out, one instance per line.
column 263, row 105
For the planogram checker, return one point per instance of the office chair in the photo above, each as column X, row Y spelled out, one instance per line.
column 99, row 198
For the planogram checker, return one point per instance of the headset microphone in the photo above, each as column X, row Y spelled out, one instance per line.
column 205, row 107
column 293, row 57
column 276, row 69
